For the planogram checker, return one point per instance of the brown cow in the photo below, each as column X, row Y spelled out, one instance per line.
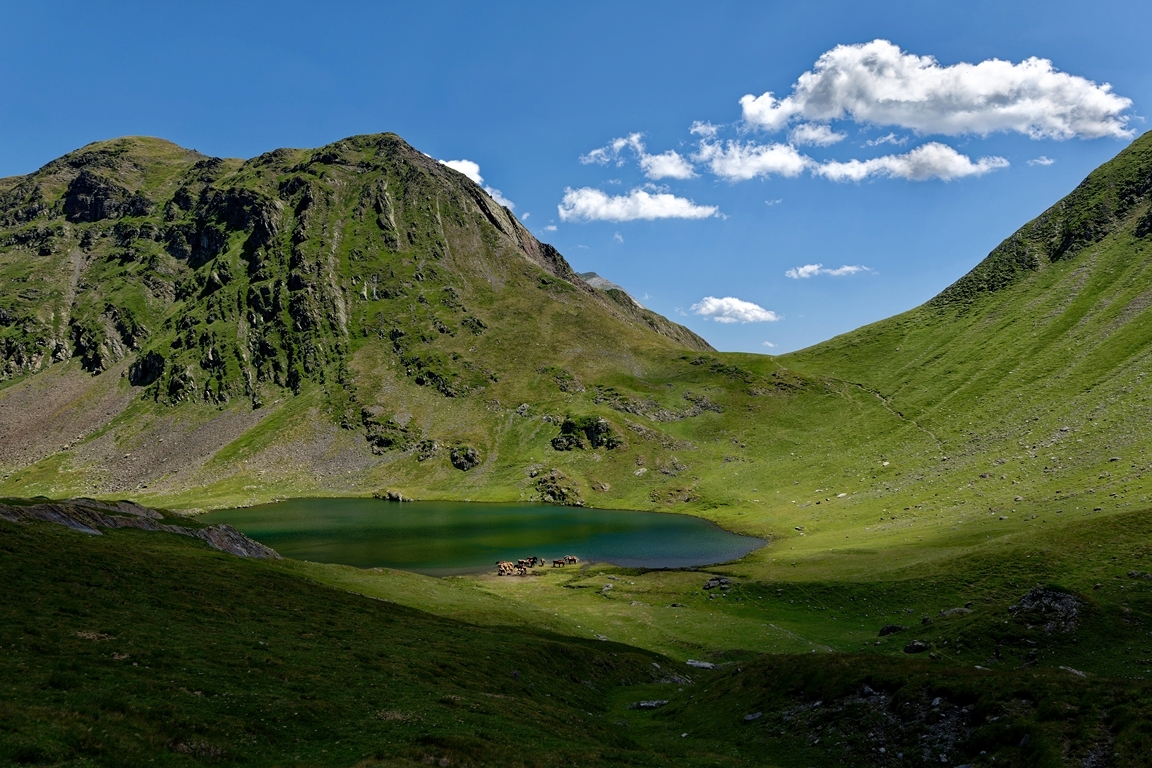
column 557, row 563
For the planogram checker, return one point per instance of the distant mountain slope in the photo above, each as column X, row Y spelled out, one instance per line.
column 1034, row 367
column 1113, row 198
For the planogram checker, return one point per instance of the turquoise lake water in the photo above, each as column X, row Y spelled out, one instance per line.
column 443, row 537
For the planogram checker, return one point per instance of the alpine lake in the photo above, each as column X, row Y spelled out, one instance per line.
column 443, row 538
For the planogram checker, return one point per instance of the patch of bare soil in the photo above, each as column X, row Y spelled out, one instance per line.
column 332, row 458
column 49, row 412
column 166, row 453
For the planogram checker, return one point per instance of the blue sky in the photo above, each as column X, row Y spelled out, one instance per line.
column 530, row 91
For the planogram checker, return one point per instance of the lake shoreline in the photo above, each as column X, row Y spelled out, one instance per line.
column 453, row 538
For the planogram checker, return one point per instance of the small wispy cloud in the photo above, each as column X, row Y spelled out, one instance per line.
column 732, row 310
column 550, row 228
column 812, row 270
column 704, row 129
column 613, row 151
column 889, row 139
column 1042, row 160
column 666, row 165
column 777, row 201
column 768, row 344
column 618, row 237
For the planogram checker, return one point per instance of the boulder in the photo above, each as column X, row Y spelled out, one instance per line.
column 390, row 495
column 916, row 646
column 555, row 488
column 464, row 458
column 652, row 704
column 891, row 629
column 426, row 449
column 576, row 432
column 1057, row 611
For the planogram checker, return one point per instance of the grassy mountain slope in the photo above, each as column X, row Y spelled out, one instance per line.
column 1033, row 384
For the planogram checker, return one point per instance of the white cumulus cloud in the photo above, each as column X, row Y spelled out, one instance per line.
column 812, row 270
column 1042, row 160
column 588, row 204
column 472, row 171
column 930, row 161
column 819, row 134
column 466, row 167
column 878, row 84
column 768, row 344
column 666, row 165
column 732, row 310
column 738, row 161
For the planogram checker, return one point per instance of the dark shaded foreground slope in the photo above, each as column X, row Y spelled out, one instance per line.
column 141, row 647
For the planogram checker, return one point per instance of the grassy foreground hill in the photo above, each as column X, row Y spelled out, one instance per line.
column 146, row 648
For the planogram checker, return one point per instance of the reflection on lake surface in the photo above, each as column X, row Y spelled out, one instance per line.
column 446, row 537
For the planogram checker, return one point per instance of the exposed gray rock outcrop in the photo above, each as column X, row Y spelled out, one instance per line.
column 89, row 516
column 1057, row 611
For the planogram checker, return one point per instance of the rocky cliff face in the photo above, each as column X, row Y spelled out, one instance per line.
column 221, row 276
column 209, row 282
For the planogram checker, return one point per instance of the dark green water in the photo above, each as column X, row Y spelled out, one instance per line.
column 443, row 537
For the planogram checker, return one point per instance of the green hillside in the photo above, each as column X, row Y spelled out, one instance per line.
column 200, row 333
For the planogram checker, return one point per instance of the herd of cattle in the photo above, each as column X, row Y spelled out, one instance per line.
column 520, row 567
